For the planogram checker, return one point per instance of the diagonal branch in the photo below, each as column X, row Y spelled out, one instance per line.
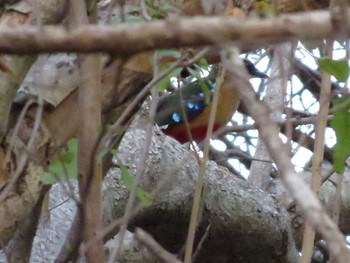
column 307, row 201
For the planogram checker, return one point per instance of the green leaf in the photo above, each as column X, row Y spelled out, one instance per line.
column 169, row 53
column 208, row 6
column 202, row 62
column 338, row 68
column 341, row 126
column 133, row 19
column 65, row 167
column 264, row 8
column 165, row 82
column 102, row 153
column 105, row 151
column 113, row 151
column 164, row 57
column 127, row 178
column 142, row 196
column 159, row 10
column 48, row 178
column 202, row 84
column 170, row 8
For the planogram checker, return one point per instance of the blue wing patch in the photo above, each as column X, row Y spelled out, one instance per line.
column 176, row 117
column 192, row 102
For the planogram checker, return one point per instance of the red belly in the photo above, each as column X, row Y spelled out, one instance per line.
column 180, row 134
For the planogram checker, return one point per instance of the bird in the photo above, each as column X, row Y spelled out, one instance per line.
column 195, row 101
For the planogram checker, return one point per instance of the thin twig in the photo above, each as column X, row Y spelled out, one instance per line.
column 201, row 242
column 25, row 154
column 13, row 139
column 201, row 175
column 195, row 58
column 317, row 159
column 141, row 167
column 187, row 125
column 63, row 202
column 154, row 247
column 144, row 12
column 337, row 198
column 292, row 121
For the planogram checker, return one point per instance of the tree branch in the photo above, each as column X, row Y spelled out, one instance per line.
column 173, row 32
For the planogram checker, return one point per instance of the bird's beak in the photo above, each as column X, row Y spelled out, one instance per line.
column 258, row 74
column 252, row 70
